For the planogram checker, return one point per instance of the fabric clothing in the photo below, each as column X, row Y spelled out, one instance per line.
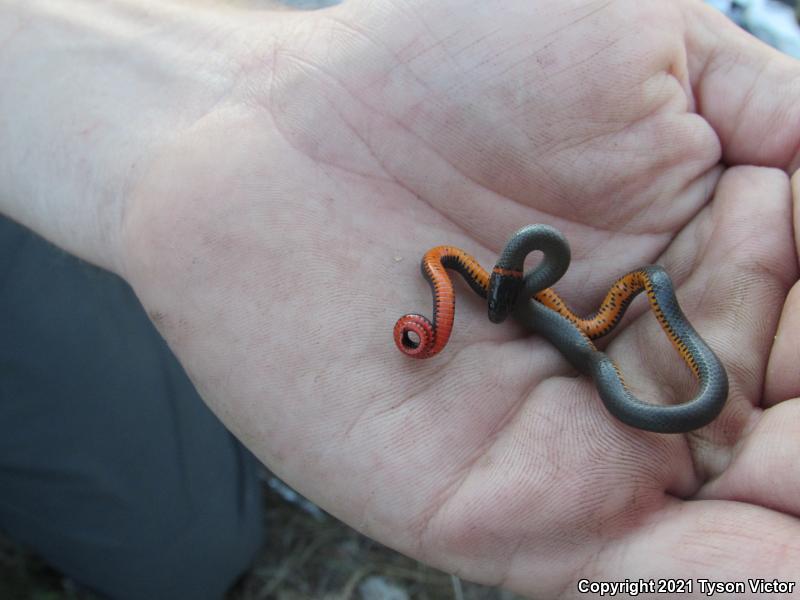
column 111, row 466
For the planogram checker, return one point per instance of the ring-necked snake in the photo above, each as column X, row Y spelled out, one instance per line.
column 542, row 311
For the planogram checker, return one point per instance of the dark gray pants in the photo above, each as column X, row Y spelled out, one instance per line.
column 111, row 467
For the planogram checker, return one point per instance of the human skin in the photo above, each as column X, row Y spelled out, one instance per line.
column 267, row 181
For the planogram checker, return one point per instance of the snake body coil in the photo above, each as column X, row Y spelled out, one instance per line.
column 541, row 310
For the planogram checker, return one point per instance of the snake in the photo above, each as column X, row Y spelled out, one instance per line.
column 529, row 297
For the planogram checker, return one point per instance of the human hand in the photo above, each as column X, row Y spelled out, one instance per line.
column 275, row 240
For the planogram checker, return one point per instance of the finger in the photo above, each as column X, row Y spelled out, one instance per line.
column 783, row 376
column 707, row 540
column 732, row 279
column 747, row 91
column 762, row 466
column 763, row 470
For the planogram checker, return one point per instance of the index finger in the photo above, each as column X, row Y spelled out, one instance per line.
column 747, row 91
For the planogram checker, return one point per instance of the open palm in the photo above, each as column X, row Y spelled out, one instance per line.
column 276, row 240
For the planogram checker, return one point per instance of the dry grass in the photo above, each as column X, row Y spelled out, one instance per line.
column 306, row 557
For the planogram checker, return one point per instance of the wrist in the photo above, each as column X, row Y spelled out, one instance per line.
column 90, row 93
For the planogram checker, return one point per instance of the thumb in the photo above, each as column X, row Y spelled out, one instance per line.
column 747, row 91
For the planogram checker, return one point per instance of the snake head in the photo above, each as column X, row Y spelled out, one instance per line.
column 504, row 288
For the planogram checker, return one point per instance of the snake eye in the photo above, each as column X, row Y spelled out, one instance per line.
column 503, row 293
